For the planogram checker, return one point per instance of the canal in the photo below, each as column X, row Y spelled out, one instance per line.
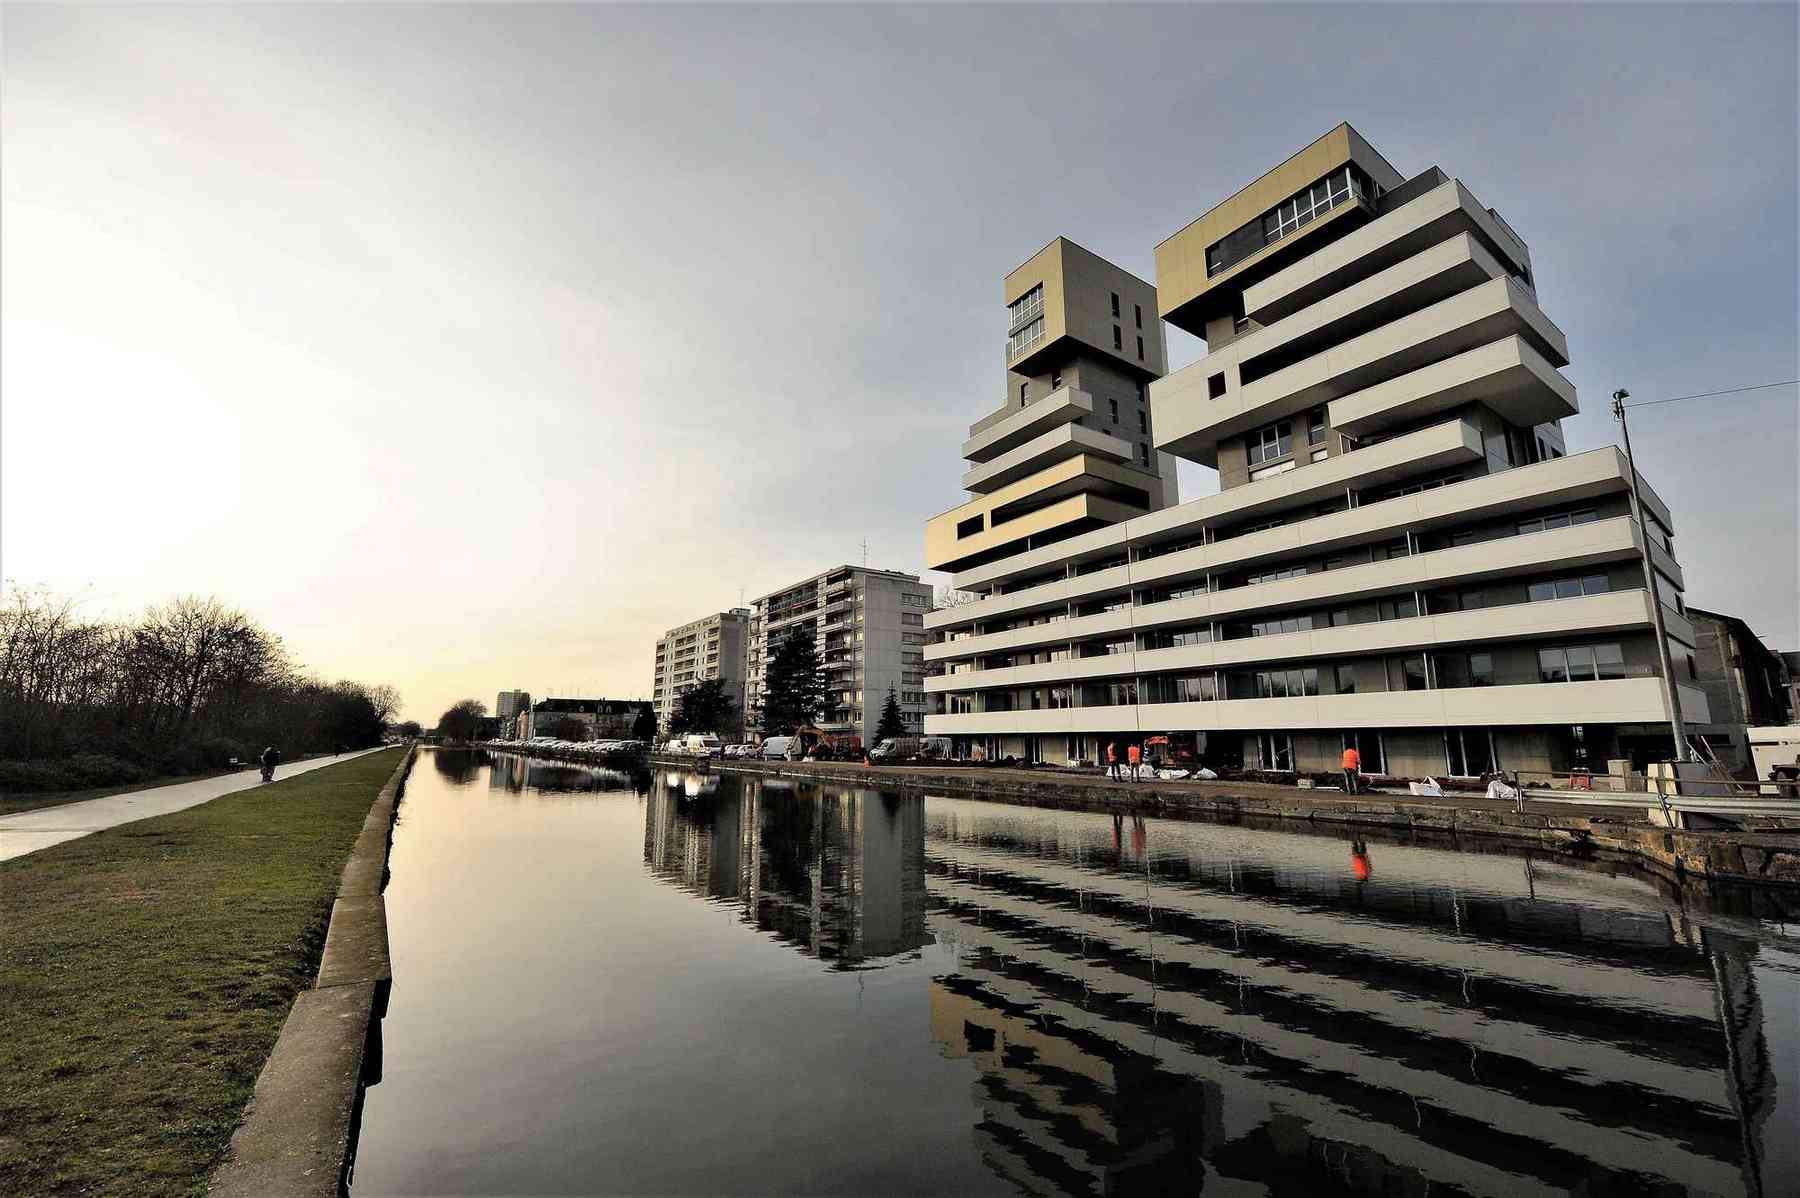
column 684, row 984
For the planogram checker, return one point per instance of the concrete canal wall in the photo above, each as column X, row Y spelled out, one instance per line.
column 1764, row 858
column 298, row 1137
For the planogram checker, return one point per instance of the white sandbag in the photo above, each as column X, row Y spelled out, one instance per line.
column 1428, row 789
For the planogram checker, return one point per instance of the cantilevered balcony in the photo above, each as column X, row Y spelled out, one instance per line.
column 1572, row 548
column 1438, row 215
column 1010, row 428
column 1508, row 376
column 1618, row 611
column 1610, row 701
column 1057, row 445
column 1191, row 424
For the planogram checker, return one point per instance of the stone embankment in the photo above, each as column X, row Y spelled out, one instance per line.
column 1761, row 857
column 299, row 1136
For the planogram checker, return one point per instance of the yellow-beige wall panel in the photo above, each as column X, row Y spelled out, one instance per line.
column 1077, row 286
column 1181, row 278
column 944, row 550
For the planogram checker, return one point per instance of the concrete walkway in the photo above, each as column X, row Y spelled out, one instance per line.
column 29, row 831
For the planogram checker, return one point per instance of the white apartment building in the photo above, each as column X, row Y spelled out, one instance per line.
column 710, row 647
column 868, row 628
column 1401, row 555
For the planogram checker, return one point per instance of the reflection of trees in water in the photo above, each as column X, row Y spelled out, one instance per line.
column 838, row 874
column 459, row 767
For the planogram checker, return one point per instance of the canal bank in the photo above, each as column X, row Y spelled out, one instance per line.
column 298, row 1138
column 1758, row 857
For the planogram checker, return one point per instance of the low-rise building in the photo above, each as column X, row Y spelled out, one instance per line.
column 711, row 647
column 868, row 629
column 580, row 719
column 1745, row 683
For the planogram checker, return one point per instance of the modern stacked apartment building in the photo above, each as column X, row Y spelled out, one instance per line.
column 1401, row 556
column 868, row 629
column 703, row 649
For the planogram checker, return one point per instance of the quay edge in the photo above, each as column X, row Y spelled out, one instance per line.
column 1753, row 857
column 298, row 1137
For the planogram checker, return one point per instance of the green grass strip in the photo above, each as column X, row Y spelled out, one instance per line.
column 145, row 972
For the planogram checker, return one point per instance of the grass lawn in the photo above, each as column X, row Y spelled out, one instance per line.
column 14, row 803
column 145, row 972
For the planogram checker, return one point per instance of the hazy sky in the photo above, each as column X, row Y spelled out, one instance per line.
column 471, row 348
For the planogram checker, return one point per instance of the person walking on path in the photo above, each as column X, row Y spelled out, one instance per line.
column 1112, row 760
column 270, row 759
column 1352, row 770
column 1135, row 755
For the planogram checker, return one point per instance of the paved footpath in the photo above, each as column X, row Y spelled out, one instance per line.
column 29, row 831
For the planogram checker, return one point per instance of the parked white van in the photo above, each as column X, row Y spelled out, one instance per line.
column 702, row 743
column 780, row 747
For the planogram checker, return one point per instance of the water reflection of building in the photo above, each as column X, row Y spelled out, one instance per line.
column 837, row 874
column 516, row 773
column 1228, row 1011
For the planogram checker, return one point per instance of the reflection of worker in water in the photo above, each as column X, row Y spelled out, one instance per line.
column 1137, row 836
column 1359, row 860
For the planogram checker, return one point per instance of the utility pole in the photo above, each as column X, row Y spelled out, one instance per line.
column 1676, row 726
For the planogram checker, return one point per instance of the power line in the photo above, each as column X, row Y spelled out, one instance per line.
column 1650, row 403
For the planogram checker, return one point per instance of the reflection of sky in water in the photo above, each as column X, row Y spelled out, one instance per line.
column 720, row 984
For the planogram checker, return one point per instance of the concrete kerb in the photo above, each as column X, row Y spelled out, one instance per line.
column 1757, row 858
column 298, row 1137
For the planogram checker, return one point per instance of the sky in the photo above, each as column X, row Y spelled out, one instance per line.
column 470, row 348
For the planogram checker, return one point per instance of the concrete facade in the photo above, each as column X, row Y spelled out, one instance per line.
column 1402, row 556
column 1745, row 683
column 1071, row 446
column 868, row 629
column 711, row 647
column 508, row 706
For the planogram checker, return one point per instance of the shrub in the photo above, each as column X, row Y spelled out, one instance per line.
column 219, row 751
column 100, row 769
column 26, row 777
column 184, row 759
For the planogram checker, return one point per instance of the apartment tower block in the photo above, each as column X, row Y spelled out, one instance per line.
column 868, row 629
column 1401, row 556
column 710, row 647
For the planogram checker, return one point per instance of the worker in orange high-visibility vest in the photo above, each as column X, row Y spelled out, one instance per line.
column 1112, row 760
column 1352, row 771
column 1134, row 756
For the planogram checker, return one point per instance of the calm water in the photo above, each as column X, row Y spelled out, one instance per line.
column 686, row 985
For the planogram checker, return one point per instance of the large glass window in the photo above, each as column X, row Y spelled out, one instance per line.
column 1558, row 520
column 1032, row 332
column 1287, row 684
column 1305, row 207
column 1270, row 442
column 1568, row 588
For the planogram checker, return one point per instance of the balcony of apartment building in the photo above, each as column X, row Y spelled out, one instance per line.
column 1388, row 334
column 1005, row 430
column 1211, row 533
column 1048, row 505
column 1557, row 538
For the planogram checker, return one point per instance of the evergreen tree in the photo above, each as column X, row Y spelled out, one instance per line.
column 644, row 726
column 704, row 707
column 793, row 687
column 892, row 723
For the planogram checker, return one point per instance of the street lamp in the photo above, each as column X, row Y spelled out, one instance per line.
column 1673, row 694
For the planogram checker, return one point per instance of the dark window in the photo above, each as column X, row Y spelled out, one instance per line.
column 1115, row 299
column 1137, row 314
column 1118, row 337
column 1346, row 680
column 969, row 527
column 1315, row 427
column 1056, row 380
column 1140, row 342
column 1144, row 453
column 1413, row 669
column 1143, row 423
column 1215, row 386
column 1114, row 405
column 1022, row 390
